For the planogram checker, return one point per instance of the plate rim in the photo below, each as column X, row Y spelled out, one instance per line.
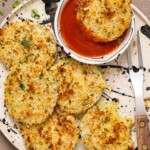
column 22, row 4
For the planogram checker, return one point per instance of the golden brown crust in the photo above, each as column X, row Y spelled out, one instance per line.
column 57, row 133
column 30, row 93
column 105, row 20
column 79, row 85
column 27, row 41
column 103, row 128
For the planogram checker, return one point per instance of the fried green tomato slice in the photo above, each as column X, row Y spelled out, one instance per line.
column 30, row 93
column 27, row 41
column 104, row 20
column 79, row 85
column 59, row 132
column 102, row 128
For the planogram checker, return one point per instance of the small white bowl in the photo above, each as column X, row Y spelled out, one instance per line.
column 98, row 60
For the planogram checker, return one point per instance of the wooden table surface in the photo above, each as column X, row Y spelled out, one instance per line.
column 6, row 5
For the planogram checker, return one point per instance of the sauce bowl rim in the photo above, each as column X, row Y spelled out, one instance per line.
column 90, row 60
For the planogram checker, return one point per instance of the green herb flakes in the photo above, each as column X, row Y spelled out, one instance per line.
column 15, row 4
column 22, row 86
column 35, row 13
column 41, row 75
column 105, row 129
column 1, row 12
column 26, row 43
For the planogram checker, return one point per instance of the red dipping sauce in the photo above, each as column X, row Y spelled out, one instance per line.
column 76, row 40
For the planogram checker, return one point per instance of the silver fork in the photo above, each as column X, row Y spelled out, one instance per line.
column 141, row 120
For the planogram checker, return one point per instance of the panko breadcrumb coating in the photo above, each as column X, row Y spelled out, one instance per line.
column 104, row 20
column 102, row 128
column 59, row 132
column 79, row 85
column 111, row 5
column 27, row 41
column 30, row 93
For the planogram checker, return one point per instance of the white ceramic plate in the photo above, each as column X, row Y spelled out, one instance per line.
column 115, row 74
column 98, row 60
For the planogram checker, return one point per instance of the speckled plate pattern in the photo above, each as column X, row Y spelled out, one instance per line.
column 115, row 73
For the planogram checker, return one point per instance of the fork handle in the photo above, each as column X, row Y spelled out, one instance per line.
column 142, row 130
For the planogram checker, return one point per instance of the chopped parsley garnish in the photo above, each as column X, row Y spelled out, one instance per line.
column 53, row 55
column 106, row 129
column 22, row 86
column 47, row 63
column 26, row 43
column 35, row 13
column 92, row 95
column 41, row 75
column 31, row 97
column 1, row 12
column 20, row 76
column 15, row 4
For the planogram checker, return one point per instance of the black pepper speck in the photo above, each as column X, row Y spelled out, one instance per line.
column 148, row 89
